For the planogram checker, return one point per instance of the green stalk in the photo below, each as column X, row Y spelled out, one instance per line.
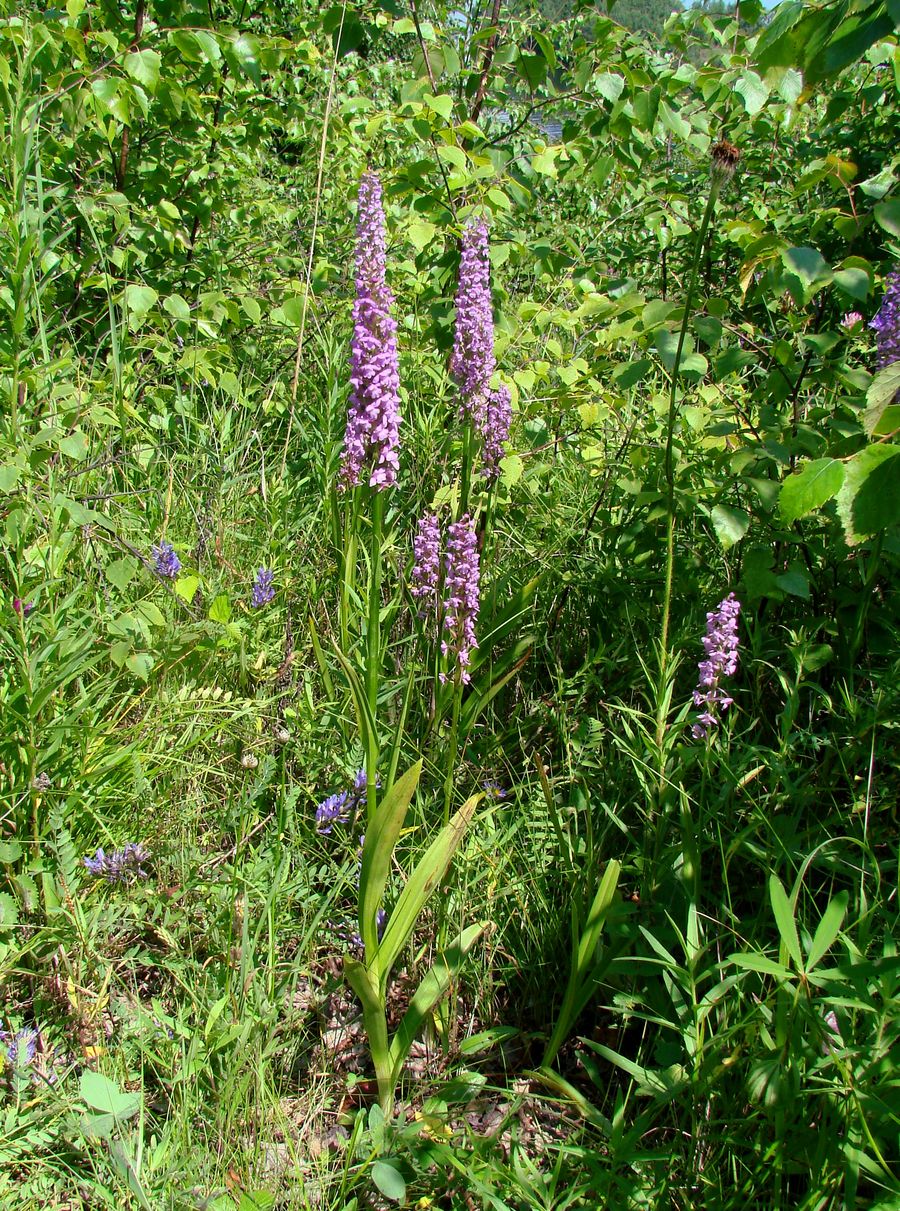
column 373, row 642
column 661, row 698
column 452, row 748
column 467, row 456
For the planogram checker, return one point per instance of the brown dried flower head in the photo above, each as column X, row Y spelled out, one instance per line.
column 725, row 158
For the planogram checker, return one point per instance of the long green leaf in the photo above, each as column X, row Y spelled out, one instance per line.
column 381, row 837
column 784, row 919
column 422, row 882
column 828, row 929
column 433, row 986
column 582, row 973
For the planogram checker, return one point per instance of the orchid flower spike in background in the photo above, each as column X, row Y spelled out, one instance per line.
column 371, row 443
column 720, row 643
column 472, row 360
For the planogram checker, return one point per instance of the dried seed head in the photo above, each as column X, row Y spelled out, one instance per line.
column 725, row 158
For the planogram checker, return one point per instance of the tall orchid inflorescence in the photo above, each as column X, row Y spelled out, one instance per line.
column 448, row 587
column 426, row 573
column 720, row 643
column 461, row 600
column 886, row 323
column 373, row 419
column 472, row 362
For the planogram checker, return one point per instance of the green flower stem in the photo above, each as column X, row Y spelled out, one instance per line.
column 662, row 697
column 467, row 456
column 452, row 747
column 373, row 642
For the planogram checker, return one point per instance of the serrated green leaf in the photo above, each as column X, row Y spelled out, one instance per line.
column 10, row 851
column 609, row 86
column 752, row 91
column 9, row 911
column 143, row 66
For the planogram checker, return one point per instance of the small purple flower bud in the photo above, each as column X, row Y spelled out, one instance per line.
column 263, row 590
column 333, row 810
column 165, row 561
column 122, row 865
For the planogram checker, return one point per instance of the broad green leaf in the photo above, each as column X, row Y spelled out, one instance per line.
column 9, row 911
column 784, row 919
column 382, row 833
column 883, row 391
column 389, row 1179
column 609, row 86
column 143, row 66
column 187, row 586
column 854, row 282
column 422, row 883
column 421, row 233
column 104, row 1095
column 869, row 499
column 10, row 851
column 177, row 307
column 139, row 299
column 828, row 929
column 887, row 215
column 808, row 264
column 809, row 488
column 220, row 609
column 121, row 572
column 752, row 91
column 140, row 664
column 455, row 156
column 442, row 105
column 730, row 524
column 9, row 477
